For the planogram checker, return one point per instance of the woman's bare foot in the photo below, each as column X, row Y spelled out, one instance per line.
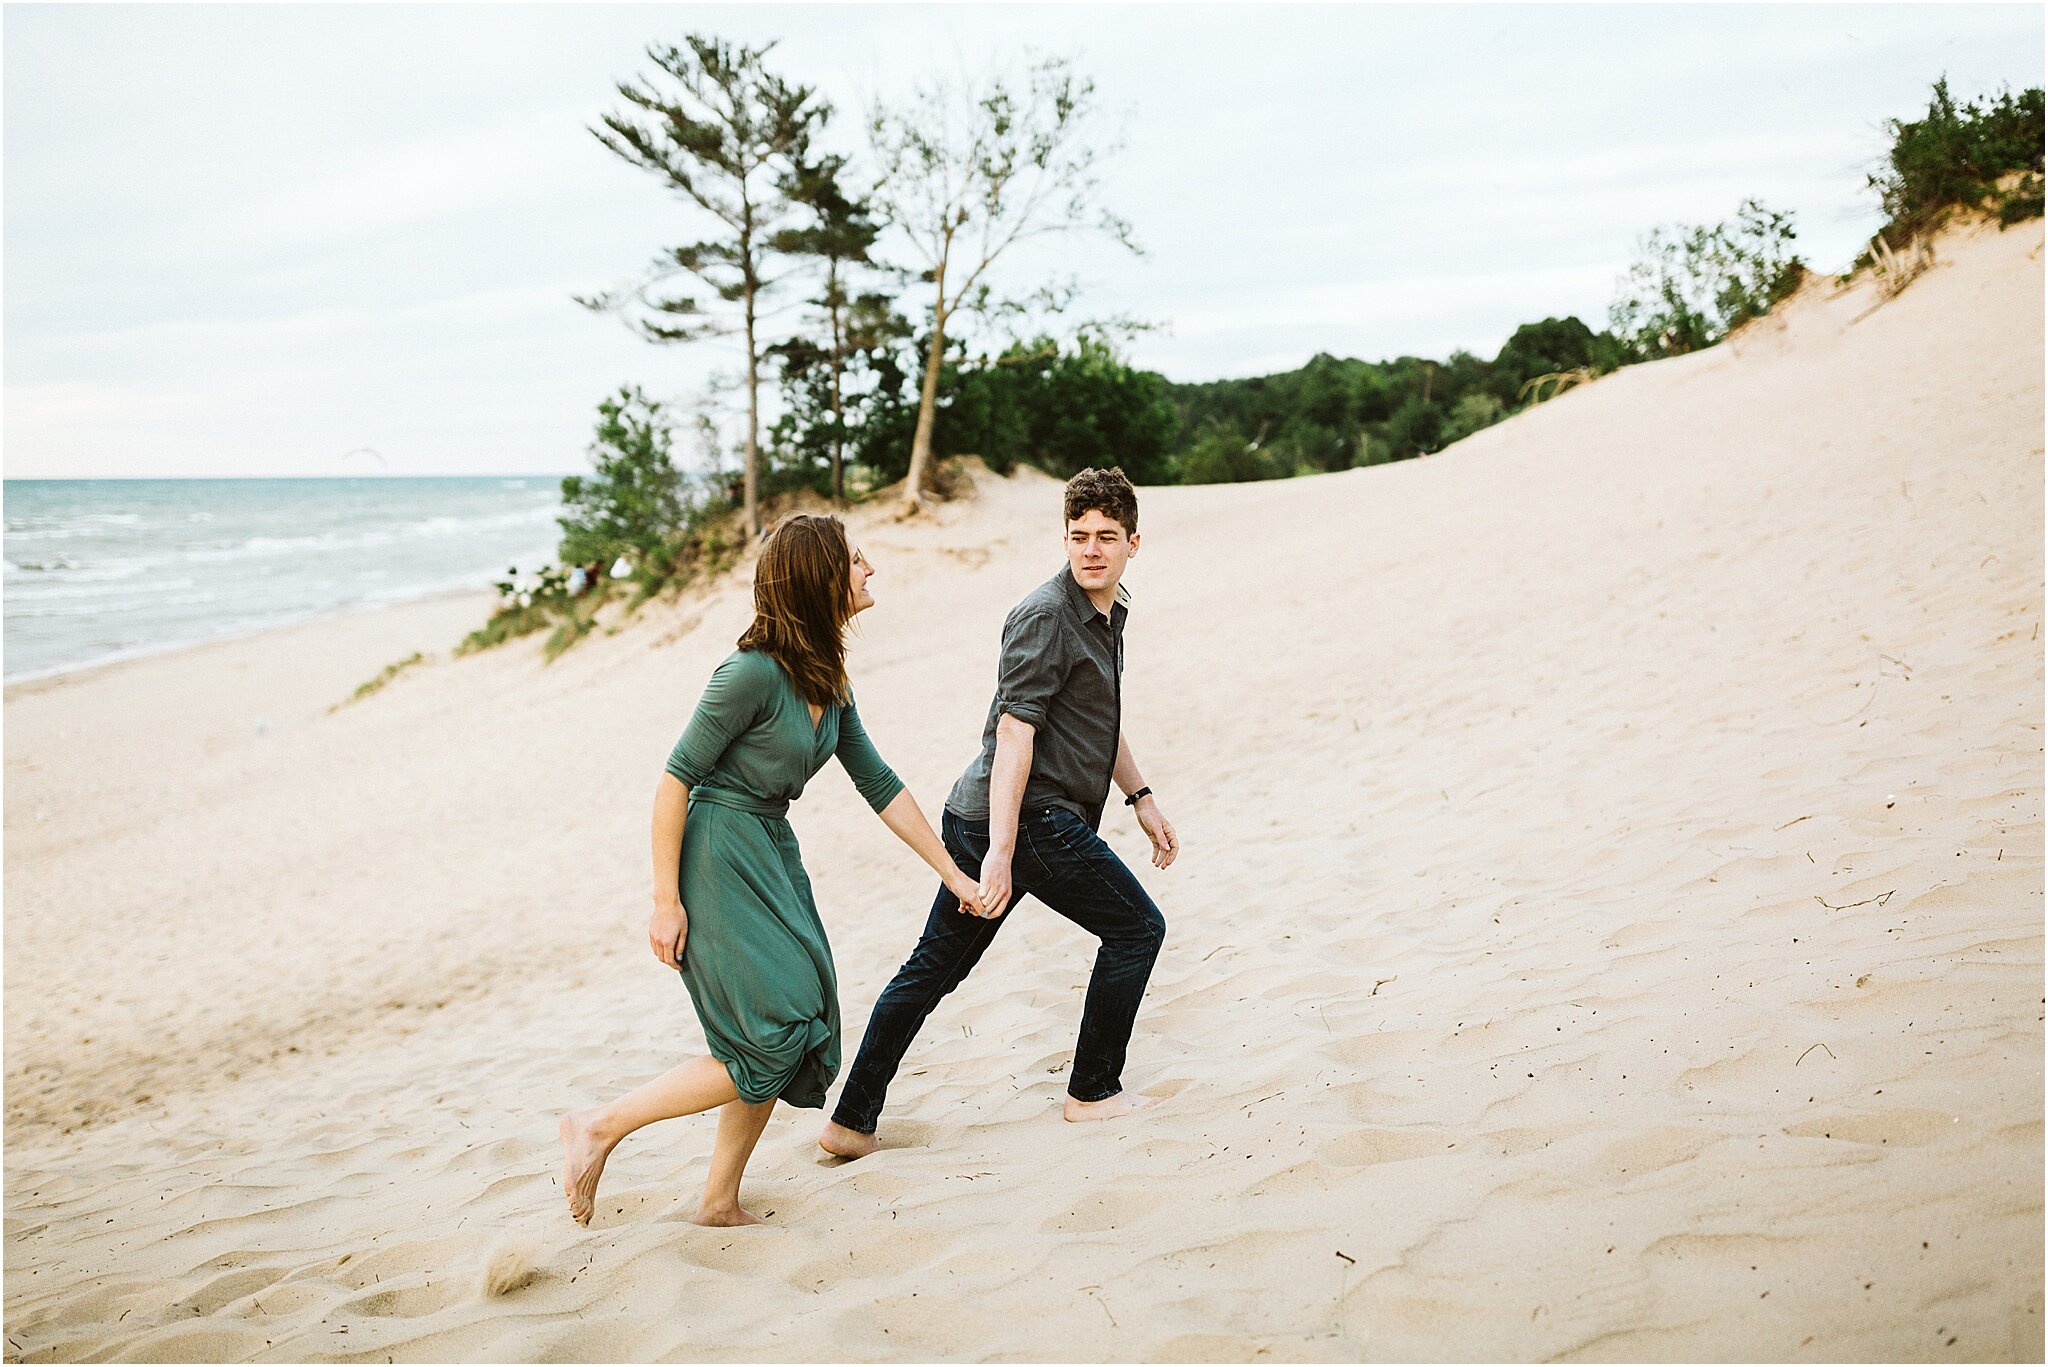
column 1110, row 1107
column 841, row 1142
column 723, row 1217
column 584, row 1149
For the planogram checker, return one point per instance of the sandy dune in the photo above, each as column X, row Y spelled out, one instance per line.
column 1609, row 927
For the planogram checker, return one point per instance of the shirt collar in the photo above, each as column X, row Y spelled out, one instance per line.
column 1084, row 606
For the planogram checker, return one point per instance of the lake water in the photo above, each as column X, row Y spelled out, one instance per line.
column 104, row 569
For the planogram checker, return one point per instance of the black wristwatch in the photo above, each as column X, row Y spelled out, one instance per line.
column 1132, row 800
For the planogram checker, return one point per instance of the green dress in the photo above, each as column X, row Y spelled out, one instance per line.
column 756, row 959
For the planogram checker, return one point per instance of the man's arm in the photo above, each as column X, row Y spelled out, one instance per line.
column 1165, row 843
column 1031, row 674
column 1008, row 774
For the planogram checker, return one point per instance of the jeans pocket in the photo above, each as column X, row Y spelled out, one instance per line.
column 1036, row 838
column 1054, row 815
column 1071, row 832
column 1062, row 839
column 963, row 841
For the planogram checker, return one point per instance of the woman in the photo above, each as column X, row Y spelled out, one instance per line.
column 732, row 905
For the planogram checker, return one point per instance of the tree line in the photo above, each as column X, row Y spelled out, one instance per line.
column 878, row 379
column 956, row 177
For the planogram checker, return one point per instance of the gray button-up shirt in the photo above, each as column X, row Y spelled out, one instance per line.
column 1061, row 672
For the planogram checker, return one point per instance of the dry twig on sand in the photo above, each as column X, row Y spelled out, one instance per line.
column 1895, row 269
column 1880, row 899
column 1559, row 380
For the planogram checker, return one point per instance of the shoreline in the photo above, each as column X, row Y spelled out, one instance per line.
column 261, row 479
column 43, row 681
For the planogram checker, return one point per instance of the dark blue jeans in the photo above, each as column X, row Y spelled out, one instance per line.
column 1066, row 865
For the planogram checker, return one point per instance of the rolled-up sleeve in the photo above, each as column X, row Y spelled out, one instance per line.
column 732, row 702
column 1034, row 666
column 872, row 779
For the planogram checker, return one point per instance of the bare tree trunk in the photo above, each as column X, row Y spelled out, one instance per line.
column 751, row 472
column 927, row 405
column 838, row 412
column 928, row 400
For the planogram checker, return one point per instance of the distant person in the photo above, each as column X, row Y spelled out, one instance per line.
column 732, row 904
column 579, row 580
column 596, row 572
column 1025, row 814
column 622, row 568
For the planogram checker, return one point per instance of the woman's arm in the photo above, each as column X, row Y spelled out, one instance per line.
column 899, row 811
column 732, row 702
column 903, row 816
column 669, row 925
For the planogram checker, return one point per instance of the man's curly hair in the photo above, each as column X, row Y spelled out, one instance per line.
column 1106, row 492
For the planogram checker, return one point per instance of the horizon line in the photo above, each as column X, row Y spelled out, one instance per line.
column 380, row 474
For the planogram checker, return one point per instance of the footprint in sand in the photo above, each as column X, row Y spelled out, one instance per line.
column 424, row 1297
column 1366, row 1148
column 226, row 1289
column 1111, row 1210
column 1898, row 1129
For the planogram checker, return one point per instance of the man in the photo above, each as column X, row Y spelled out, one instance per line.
column 1025, row 813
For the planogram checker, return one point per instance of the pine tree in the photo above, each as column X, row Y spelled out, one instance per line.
column 732, row 138
column 840, row 235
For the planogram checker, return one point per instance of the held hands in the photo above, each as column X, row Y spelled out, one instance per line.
column 1165, row 843
column 666, row 931
column 995, row 886
column 967, row 890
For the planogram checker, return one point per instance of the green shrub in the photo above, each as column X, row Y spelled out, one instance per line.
column 1416, row 429
column 1223, row 456
column 634, row 502
column 521, row 611
column 574, row 628
column 634, row 506
column 1059, row 407
column 709, row 544
column 2019, row 206
column 1310, row 446
column 1955, row 155
column 1545, row 348
column 1470, row 413
column 1691, row 285
column 505, row 624
column 390, row 672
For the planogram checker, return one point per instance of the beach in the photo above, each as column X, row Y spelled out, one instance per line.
column 1608, row 926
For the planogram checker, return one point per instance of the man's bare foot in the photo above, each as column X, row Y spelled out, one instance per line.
column 841, row 1142
column 584, row 1150
column 1110, row 1107
column 723, row 1217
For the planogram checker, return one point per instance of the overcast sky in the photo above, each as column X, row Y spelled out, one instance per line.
column 250, row 240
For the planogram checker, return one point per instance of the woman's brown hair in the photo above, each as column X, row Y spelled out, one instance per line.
column 803, row 599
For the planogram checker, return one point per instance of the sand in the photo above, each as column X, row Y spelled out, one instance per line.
column 1609, row 927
